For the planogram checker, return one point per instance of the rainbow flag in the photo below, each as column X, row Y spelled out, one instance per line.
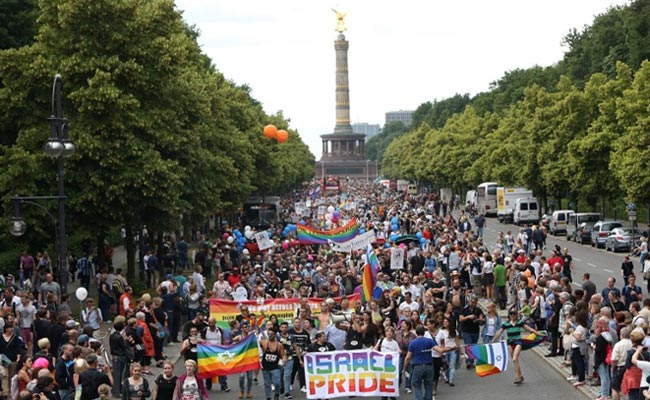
column 491, row 358
column 369, row 278
column 216, row 360
column 308, row 235
column 532, row 340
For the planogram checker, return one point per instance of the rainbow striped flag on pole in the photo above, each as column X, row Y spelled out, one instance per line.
column 491, row 358
column 216, row 360
column 369, row 278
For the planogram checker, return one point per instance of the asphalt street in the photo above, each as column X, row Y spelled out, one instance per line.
column 600, row 264
column 541, row 381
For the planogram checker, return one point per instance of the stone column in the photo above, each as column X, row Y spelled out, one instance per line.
column 342, row 88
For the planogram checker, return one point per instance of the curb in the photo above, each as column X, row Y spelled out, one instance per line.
column 590, row 392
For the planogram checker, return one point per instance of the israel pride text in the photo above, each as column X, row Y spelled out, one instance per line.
column 366, row 373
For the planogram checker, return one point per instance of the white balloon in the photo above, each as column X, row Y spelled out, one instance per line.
column 330, row 209
column 247, row 228
column 249, row 234
column 246, row 252
column 230, row 239
column 81, row 293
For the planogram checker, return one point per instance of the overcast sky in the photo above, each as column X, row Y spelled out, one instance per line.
column 401, row 54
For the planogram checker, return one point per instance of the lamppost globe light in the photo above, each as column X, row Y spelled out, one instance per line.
column 68, row 148
column 18, row 227
column 53, row 147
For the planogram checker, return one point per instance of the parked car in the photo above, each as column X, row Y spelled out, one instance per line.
column 601, row 230
column 579, row 226
column 559, row 220
column 621, row 239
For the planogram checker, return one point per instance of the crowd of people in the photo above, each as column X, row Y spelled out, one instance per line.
column 447, row 294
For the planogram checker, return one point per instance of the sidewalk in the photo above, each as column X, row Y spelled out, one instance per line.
column 591, row 392
column 171, row 350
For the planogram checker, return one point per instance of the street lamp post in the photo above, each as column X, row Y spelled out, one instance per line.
column 58, row 146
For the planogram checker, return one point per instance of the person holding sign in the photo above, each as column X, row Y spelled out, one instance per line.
column 272, row 352
column 388, row 344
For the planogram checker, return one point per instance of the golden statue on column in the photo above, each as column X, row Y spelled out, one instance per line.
column 340, row 24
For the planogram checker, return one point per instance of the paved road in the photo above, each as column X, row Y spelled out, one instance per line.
column 599, row 263
column 541, row 382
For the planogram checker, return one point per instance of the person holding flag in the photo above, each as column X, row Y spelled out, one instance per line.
column 369, row 279
column 513, row 328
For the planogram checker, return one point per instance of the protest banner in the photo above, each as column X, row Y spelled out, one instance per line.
column 396, row 258
column 224, row 311
column 263, row 240
column 365, row 373
column 357, row 243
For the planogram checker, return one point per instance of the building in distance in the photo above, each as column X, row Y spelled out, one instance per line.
column 365, row 128
column 405, row 116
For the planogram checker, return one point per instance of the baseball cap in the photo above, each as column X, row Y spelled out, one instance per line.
column 70, row 324
column 169, row 276
column 83, row 339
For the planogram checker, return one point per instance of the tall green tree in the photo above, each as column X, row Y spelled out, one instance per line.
column 630, row 160
column 18, row 23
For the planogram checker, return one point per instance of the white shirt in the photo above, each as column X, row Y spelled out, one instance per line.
column 440, row 340
column 199, row 281
column 388, row 346
column 413, row 306
column 91, row 317
column 240, row 294
column 26, row 314
column 213, row 336
column 488, row 267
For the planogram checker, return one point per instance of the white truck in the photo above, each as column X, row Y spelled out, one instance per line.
column 402, row 185
column 506, row 199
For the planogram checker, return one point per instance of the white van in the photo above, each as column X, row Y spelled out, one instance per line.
column 580, row 225
column 559, row 221
column 526, row 211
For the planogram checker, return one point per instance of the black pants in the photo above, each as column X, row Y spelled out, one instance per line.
column 555, row 339
column 501, row 297
column 437, row 365
column 299, row 370
column 578, row 364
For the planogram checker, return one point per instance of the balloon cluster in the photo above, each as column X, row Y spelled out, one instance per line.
column 289, row 229
column 394, row 223
column 238, row 238
column 271, row 132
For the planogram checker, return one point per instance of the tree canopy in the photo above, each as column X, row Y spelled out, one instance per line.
column 159, row 132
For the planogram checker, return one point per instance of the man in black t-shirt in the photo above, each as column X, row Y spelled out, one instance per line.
column 321, row 345
column 626, row 269
column 92, row 378
column 471, row 318
column 302, row 340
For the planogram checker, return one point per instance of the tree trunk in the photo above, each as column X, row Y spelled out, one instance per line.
column 159, row 245
column 101, row 254
column 130, row 252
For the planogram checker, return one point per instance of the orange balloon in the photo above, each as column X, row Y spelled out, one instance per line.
column 270, row 131
column 282, row 136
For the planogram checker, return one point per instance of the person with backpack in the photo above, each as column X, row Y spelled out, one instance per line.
column 64, row 372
